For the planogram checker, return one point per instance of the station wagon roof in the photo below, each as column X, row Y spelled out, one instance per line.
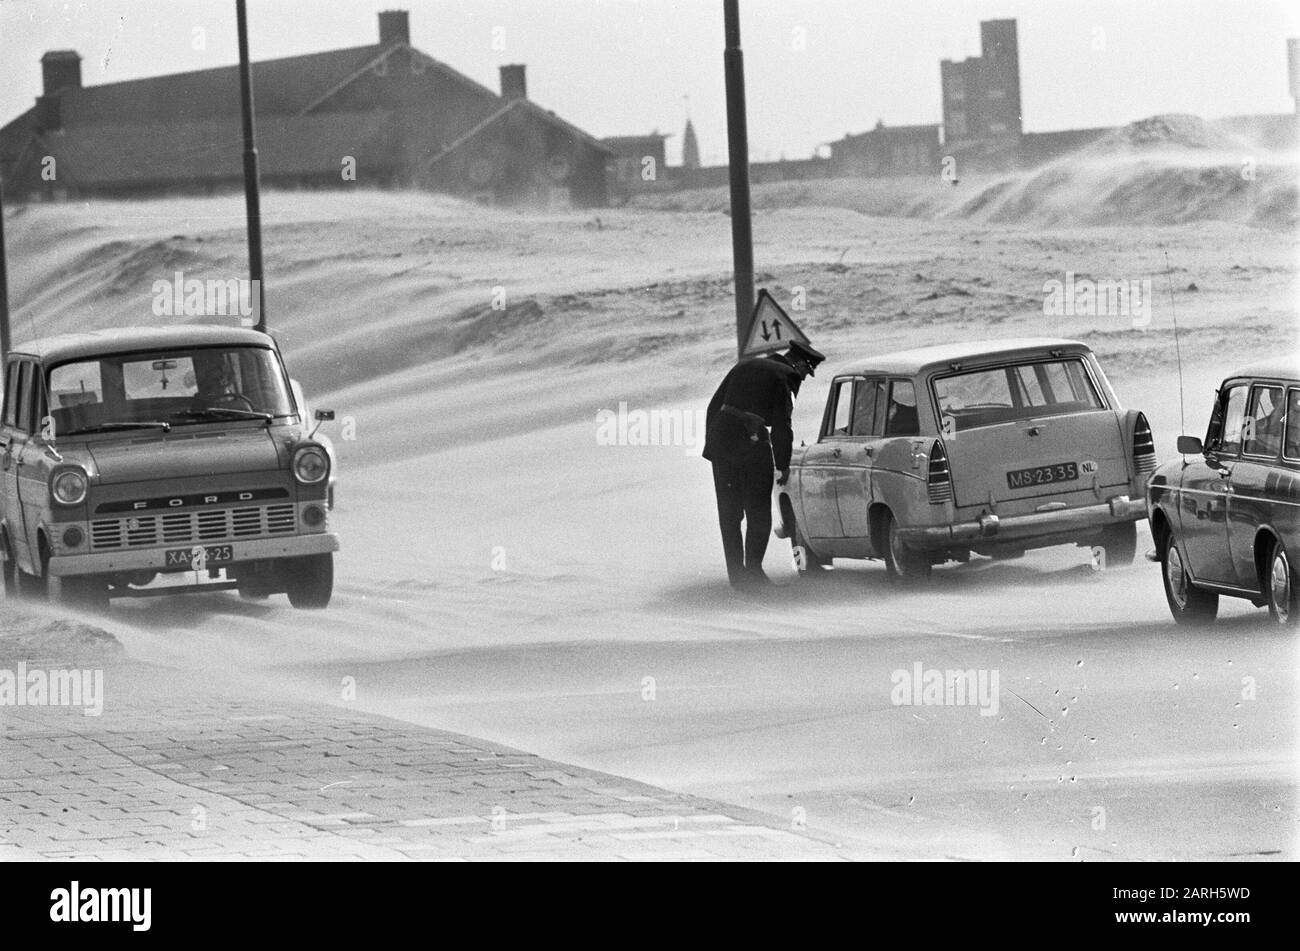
column 123, row 340
column 1279, row 368
column 975, row 353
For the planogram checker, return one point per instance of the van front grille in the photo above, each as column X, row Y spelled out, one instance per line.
column 183, row 528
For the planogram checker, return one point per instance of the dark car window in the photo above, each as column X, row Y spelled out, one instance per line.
column 1229, row 418
column 901, row 420
column 868, row 397
column 1292, row 448
column 841, row 408
column 1262, row 432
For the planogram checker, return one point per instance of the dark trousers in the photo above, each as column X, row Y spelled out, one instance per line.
column 744, row 490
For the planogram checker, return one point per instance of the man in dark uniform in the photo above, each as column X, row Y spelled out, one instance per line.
column 756, row 395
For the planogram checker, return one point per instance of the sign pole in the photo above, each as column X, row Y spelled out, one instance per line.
column 742, row 237
column 252, row 198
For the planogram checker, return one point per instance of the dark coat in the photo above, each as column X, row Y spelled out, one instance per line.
column 765, row 387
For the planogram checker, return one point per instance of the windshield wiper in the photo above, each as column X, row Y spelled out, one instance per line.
column 227, row 412
column 105, row 427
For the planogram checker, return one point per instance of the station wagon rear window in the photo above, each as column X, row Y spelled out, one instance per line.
column 989, row 397
column 180, row 387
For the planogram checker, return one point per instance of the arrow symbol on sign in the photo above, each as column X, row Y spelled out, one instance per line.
column 766, row 335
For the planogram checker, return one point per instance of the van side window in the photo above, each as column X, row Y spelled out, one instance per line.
column 901, row 419
column 23, row 401
column 11, row 393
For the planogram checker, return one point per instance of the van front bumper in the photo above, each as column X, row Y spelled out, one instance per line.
column 155, row 559
column 990, row 527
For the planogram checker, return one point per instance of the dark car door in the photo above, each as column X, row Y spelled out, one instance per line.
column 1251, row 503
column 1206, row 485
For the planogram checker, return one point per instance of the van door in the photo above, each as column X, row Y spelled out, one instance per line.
column 14, row 436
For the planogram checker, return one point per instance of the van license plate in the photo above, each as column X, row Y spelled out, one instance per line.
column 1043, row 475
column 190, row 557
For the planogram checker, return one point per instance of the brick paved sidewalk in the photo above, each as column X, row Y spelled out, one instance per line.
column 204, row 777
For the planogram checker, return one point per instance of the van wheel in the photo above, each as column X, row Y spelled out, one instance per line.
column 902, row 563
column 35, row 587
column 1120, row 542
column 1280, row 583
column 1187, row 603
column 10, row 568
column 309, row 581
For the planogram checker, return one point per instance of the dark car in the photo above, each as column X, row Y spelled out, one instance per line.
column 1224, row 516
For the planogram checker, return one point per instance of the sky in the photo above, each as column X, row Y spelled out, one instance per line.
column 815, row 69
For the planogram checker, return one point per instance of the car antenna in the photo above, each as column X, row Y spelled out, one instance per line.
column 1178, row 353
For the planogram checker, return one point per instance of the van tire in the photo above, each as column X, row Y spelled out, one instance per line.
column 309, row 580
column 87, row 593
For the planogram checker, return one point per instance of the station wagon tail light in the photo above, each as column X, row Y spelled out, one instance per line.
column 69, row 486
column 310, row 465
column 939, row 480
column 1144, row 448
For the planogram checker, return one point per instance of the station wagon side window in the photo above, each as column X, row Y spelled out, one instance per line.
column 1262, row 432
column 1228, row 420
column 868, row 407
column 901, row 417
column 841, row 408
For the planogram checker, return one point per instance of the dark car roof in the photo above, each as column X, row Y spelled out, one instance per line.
column 1279, row 368
column 126, row 339
column 974, row 352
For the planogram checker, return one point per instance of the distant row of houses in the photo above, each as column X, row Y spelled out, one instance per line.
column 387, row 114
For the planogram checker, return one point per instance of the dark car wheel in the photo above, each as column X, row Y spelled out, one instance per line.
column 1187, row 603
column 903, row 564
column 10, row 568
column 309, row 581
column 1120, row 542
column 1283, row 590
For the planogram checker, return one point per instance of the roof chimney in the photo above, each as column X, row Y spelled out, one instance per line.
column 61, row 69
column 394, row 27
column 513, row 83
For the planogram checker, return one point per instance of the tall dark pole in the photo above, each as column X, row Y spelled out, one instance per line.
column 4, row 280
column 742, row 237
column 252, row 198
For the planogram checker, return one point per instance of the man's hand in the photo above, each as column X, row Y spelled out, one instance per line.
column 782, row 476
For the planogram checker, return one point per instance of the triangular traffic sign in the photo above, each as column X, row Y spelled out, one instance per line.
column 771, row 329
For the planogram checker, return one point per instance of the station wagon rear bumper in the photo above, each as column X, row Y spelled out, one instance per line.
column 155, row 559
column 1013, row 527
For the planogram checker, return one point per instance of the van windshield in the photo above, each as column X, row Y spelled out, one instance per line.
column 1023, row 391
column 173, row 387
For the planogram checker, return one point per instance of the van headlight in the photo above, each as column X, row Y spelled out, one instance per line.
column 310, row 465
column 68, row 486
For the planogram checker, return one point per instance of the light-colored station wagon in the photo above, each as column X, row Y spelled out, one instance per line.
column 178, row 454
column 927, row 455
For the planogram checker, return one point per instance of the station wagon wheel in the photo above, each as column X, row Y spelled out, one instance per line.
column 902, row 563
column 811, row 562
column 1120, row 543
column 1187, row 603
column 1282, row 588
